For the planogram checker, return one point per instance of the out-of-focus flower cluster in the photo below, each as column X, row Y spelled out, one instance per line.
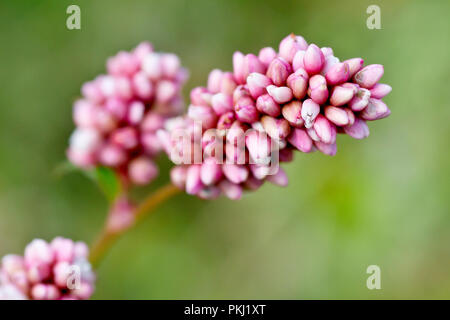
column 119, row 113
column 48, row 271
column 297, row 98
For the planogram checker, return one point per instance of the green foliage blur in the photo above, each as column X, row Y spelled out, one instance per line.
column 383, row 201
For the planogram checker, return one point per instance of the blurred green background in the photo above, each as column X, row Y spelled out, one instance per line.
column 382, row 201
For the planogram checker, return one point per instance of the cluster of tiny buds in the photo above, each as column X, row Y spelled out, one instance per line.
column 48, row 271
column 298, row 98
column 120, row 112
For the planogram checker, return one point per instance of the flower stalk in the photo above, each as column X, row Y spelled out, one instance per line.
column 109, row 235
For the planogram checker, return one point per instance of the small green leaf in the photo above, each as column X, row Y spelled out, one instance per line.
column 106, row 179
column 108, row 182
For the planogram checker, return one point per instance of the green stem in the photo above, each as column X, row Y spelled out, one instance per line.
column 107, row 238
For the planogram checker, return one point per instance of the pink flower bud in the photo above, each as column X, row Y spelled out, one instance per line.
column 312, row 134
column 222, row 103
column 266, row 104
column 204, row 114
column 277, row 129
column 235, row 173
column 201, row 96
column 12, row 263
column 91, row 90
column 258, row 145
column 61, row 272
column 359, row 129
column 300, row 140
column 193, row 180
column 376, row 109
column 338, row 73
column 136, row 112
column 280, row 178
column 227, row 85
column 298, row 83
column 152, row 122
column 327, row 51
column 330, row 61
column 152, row 66
column 369, row 76
column 257, row 84
column 280, row 94
column 236, row 133
column 351, row 85
column 351, row 116
column 231, row 190
column 380, row 90
column 142, row 86
column 122, row 64
column 142, row 170
column 290, row 45
column 252, row 64
column 151, row 143
column 211, row 172
column 354, row 65
column 214, row 81
column 63, row 249
column 238, row 67
column 11, row 292
column 297, row 62
column 38, row 252
column 253, row 183
column 260, row 171
column 45, row 292
column 326, row 148
column 310, row 110
column 84, row 113
column 121, row 215
column 266, row 55
column 318, row 90
column 117, row 108
column 84, row 292
column 123, row 88
column 81, row 159
column 292, row 112
column 246, row 110
column 81, row 250
column 104, row 121
column 226, row 120
column 340, row 96
column 85, row 140
column 338, row 116
column 38, row 272
column 107, row 85
column 209, row 192
column 313, row 60
column 125, row 137
column 178, row 176
column 235, row 153
column 170, row 65
column 142, row 50
column 278, row 71
column 165, row 91
column 360, row 100
column 325, row 130
column 240, row 92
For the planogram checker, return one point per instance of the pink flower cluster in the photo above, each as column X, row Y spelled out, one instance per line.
column 48, row 271
column 119, row 113
column 297, row 98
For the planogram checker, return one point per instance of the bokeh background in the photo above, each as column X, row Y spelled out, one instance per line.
column 383, row 201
